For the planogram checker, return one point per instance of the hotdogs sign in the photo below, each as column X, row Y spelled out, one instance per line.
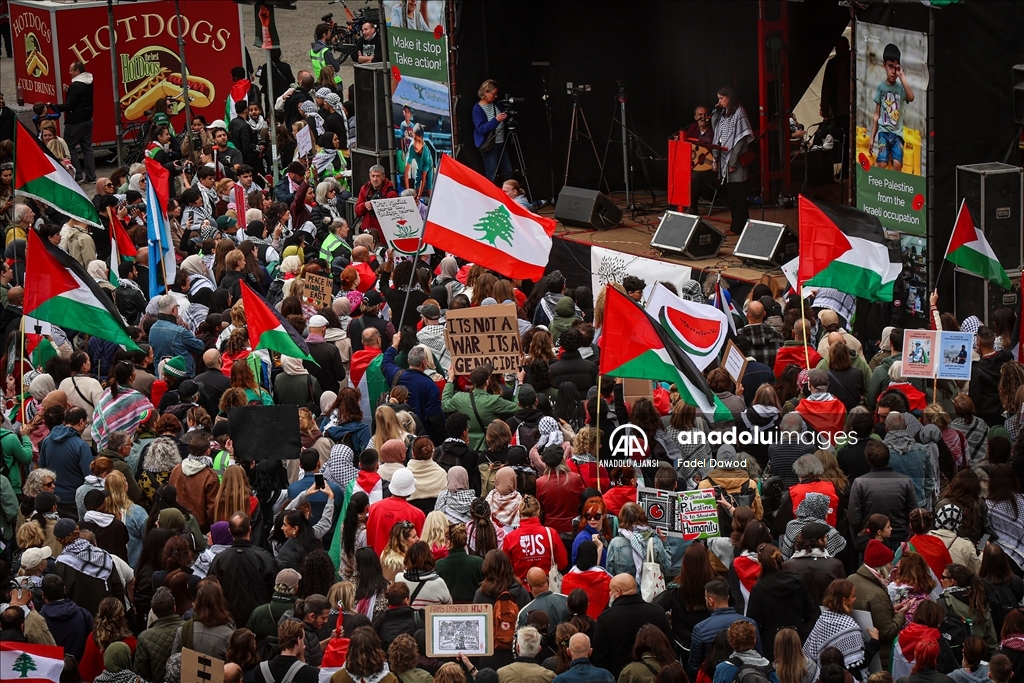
column 148, row 64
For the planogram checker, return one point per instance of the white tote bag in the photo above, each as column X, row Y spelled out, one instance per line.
column 555, row 576
column 652, row 581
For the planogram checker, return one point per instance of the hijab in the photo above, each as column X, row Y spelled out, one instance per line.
column 504, row 499
column 393, row 451
column 339, row 467
column 117, row 657
column 293, row 366
column 449, row 267
column 171, row 519
column 136, row 184
column 220, row 532
column 327, row 400
column 41, row 387
column 193, row 265
column 458, row 479
column 54, row 398
column 98, row 270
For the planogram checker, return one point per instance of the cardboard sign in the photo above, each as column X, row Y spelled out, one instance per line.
column 734, row 362
column 317, row 290
column 954, row 355
column 691, row 515
column 195, row 666
column 451, row 629
column 486, row 334
column 265, row 432
column 401, row 223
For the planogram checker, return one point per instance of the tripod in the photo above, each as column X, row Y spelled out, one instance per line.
column 628, row 136
column 580, row 128
column 512, row 138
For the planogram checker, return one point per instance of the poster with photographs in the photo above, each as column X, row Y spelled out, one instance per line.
column 918, row 353
column 891, row 120
column 955, row 355
column 451, row 629
column 419, row 15
column 915, row 274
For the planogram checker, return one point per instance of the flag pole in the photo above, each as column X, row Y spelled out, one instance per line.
column 412, row 275
column 807, row 352
column 597, row 432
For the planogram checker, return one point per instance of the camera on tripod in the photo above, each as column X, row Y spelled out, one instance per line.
column 508, row 105
column 571, row 89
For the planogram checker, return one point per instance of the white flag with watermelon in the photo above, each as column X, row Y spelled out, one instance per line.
column 368, row 377
column 699, row 329
column 969, row 249
column 31, row 663
column 471, row 218
column 37, row 174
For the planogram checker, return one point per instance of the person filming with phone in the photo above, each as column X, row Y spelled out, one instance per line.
column 309, row 461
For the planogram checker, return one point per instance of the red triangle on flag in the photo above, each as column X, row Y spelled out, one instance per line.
column 33, row 162
column 45, row 276
column 964, row 232
column 125, row 246
column 821, row 240
column 627, row 332
column 160, row 178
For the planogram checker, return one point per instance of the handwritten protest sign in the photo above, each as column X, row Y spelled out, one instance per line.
column 317, row 290
column 304, row 141
column 691, row 515
column 486, row 334
column 402, row 224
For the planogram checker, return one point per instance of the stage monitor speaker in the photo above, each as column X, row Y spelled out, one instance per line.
column 994, row 193
column 688, row 235
column 579, row 208
column 371, row 101
column 361, row 160
column 1018, row 93
column 977, row 296
column 765, row 242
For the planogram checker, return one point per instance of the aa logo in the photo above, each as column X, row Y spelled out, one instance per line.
column 628, row 441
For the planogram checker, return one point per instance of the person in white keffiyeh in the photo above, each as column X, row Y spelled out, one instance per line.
column 732, row 131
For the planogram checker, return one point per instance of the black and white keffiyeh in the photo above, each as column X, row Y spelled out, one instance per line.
column 839, row 631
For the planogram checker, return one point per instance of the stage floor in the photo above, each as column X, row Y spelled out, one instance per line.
column 633, row 236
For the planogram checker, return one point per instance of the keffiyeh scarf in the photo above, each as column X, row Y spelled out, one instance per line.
column 836, row 630
column 339, row 468
column 83, row 556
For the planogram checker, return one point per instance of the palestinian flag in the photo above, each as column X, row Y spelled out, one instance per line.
column 634, row 344
column 724, row 305
column 239, row 92
column 269, row 330
column 368, row 377
column 31, row 663
column 59, row 291
column 121, row 246
column 471, row 218
column 844, row 248
column 969, row 249
column 37, row 174
column 39, row 347
column 369, row 483
column 163, row 267
column 698, row 329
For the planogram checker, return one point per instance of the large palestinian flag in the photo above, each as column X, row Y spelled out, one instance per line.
column 269, row 330
column 37, row 174
column 633, row 344
column 845, row 248
column 969, row 249
column 698, row 329
column 368, row 377
column 59, row 291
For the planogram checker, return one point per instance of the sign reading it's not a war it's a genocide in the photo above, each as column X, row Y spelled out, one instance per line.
column 486, row 334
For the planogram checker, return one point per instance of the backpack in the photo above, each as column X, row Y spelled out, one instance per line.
column 1001, row 601
column 527, row 435
column 445, row 458
column 744, row 497
column 276, row 292
column 955, row 629
column 748, row 673
column 505, row 616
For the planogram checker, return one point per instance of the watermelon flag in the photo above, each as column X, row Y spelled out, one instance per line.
column 31, row 663
column 59, row 291
column 969, row 249
column 162, row 265
column 37, row 174
column 633, row 344
column 120, row 246
column 269, row 330
column 368, row 377
column 698, row 329
column 471, row 218
column 845, row 248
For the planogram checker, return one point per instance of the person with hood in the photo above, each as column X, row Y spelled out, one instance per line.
column 78, row 120
column 455, row 451
column 565, row 316
column 64, row 452
column 964, row 596
column 69, row 623
column 924, row 628
column 545, row 311
column 194, row 479
column 345, row 425
column 814, row 508
column 87, row 571
column 218, row 540
column 909, row 457
column 779, row 599
column 111, row 533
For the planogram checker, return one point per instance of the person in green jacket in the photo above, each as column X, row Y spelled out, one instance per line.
column 17, row 451
column 263, row 620
column 482, row 407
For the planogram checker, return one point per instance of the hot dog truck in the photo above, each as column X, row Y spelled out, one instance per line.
column 51, row 34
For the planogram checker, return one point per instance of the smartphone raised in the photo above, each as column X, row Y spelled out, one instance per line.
column 318, row 481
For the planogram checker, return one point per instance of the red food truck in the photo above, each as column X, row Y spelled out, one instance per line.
column 51, row 34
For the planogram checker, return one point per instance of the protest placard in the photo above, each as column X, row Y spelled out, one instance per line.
column 317, row 290
column 196, row 666
column 734, row 362
column 459, row 629
column 304, row 141
column 918, row 353
column 401, row 223
column 954, row 356
column 485, row 334
column 691, row 515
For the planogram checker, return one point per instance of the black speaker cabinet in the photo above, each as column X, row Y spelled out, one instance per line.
column 994, row 195
column 579, row 208
column 765, row 242
column 371, row 102
column 688, row 235
column 360, row 162
column 971, row 290
column 1018, row 93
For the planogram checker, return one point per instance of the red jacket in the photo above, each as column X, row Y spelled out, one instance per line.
column 589, row 472
column 528, row 546
column 559, row 497
column 384, row 514
column 798, row 492
column 616, row 497
column 794, row 355
column 370, row 222
column 594, row 582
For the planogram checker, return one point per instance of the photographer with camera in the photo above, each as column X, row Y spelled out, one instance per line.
column 194, row 139
column 378, row 187
column 320, row 54
column 489, row 132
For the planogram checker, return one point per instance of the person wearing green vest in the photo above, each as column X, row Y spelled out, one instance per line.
column 320, row 55
column 336, row 243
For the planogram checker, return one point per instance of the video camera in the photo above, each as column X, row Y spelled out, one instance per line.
column 571, row 89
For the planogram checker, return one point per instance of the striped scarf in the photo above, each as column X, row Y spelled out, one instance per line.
column 118, row 413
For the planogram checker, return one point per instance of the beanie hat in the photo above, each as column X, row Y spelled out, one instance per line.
column 877, row 554
column 175, row 367
column 297, row 167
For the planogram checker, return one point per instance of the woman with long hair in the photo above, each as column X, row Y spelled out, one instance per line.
column 723, row 550
column 402, row 656
column 791, row 664
column 583, row 460
column 303, row 537
column 684, row 597
column 786, row 387
column 235, row 494
column 964, row 491
column 211, row 625
column 109, row 626
column 435, row 534
column 392, row 559
column 484, row 532
column 499, row 576
column 746, row 566
column 541, row 347
column 370, row 584
column 242, row 378
column 964, row 596
column 317, row 573
column 419, row 575
column 431, row 478
column 778, row 600
column 926, row 655
column 1005, row 506
column 346, row 421
column 926, row 625
column 241, row 652
column 353, row 534
column 652, row 651
column 912, row 582
column 568, row 408
column 365, row 660
column 586, row 574
column 121, row 506
column 1003, row 588
column 562, row 659
column 836, row 628
column 150, row 561
column 717, row 652
column 934, row 551
column 387, row 429
column 120, row 407
column 628, row 550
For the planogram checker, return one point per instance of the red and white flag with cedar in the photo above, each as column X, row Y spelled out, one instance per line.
column 471, row 218
column 969, row 249
column 30, row 663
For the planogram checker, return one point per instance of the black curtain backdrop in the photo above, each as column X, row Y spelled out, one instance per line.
column 672, row 55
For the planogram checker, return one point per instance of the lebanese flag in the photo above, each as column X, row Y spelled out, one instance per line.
column 368, row 377
column 120, row 247
column 698, row 329
column 59, row 291
column 269, row 330
column 471, row 218
column 969, row 249
column 37, row 174
column 30, row 663
column 844, row 248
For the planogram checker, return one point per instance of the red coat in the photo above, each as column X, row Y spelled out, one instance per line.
column 528, row 546
column 559, row 497
column 384, row 514
column 616, row 497
column 91, row 665
column 798, row 492
column 370, row 222
column 594, row 582
column 589, row 471
column 794, row 355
